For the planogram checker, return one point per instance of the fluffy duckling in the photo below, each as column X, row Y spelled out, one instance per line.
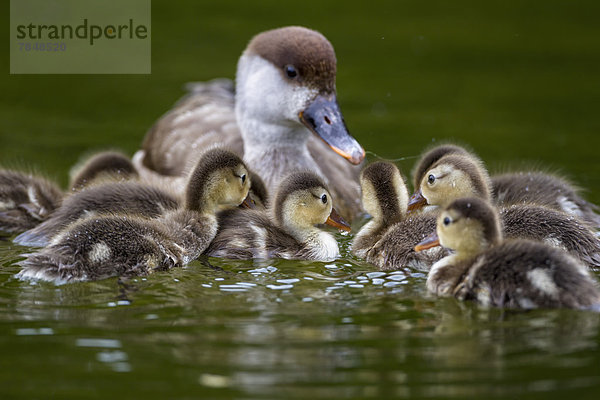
column 430, row 157
column 112, row 245
column 112, row 197
column 530, row 187
column 544, row 189
column 302, row 202
column 25, row 200
column 389, row 238
column 454, row 176
column 132, row 198
column 104, row 166
column 497, row 273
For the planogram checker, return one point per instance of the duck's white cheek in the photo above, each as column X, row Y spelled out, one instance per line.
column 263, row 91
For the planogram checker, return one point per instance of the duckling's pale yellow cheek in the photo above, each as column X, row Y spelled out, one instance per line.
column 467, row 238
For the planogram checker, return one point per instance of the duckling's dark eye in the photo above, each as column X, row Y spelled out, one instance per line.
column 291, row 71
column 243, row 178
column 431, row 179
column 447, row 221
column 324, row 199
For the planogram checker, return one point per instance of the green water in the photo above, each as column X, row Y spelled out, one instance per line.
column 517, row 81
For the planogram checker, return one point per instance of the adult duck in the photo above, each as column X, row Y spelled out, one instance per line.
column 282, row 117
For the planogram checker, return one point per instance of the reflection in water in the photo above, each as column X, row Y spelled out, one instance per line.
column 285, row 329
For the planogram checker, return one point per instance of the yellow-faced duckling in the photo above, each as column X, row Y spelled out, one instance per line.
column 528, row 187
column 26, row 200
column 112, row 245
column 497, row 273
column 389, row 238
column 454, row 176
column 282, row 115
column 302, row 202
column 430, row 157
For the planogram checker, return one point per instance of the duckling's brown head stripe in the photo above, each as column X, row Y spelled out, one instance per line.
column 381, row 176
column 308, row 51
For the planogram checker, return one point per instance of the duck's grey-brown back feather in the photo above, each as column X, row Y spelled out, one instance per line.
column 203, row 117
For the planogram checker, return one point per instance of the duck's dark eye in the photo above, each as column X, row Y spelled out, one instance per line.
column 447, row 221
column 291, row 71
column 431, row 179
column 324, row 199
column 243, row 178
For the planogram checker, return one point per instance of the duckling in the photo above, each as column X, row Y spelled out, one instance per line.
column 302, row 202
column 454, row 176
column 544, row 189
column 389, row 238
column 430, row 157
column 124, row 197
column 114, row 245
column 115, row 197
column 100, row 167
column 532, row 187
column 498, row 273
column 26, row 200
column 282, row 116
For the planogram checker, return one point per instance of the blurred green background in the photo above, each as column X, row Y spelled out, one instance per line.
column 517, row 81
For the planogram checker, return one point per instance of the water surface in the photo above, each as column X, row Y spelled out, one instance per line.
column 518, row 82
